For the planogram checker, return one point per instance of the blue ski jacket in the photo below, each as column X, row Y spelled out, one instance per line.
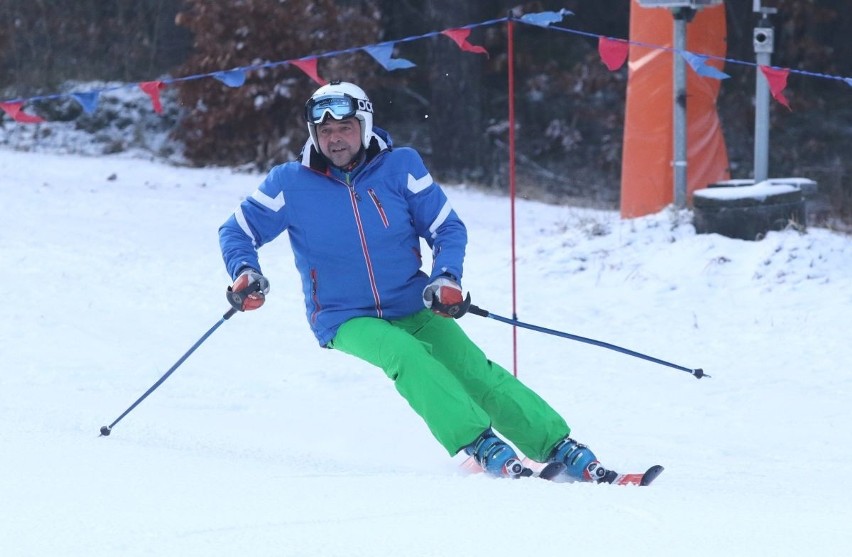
column 355, row 236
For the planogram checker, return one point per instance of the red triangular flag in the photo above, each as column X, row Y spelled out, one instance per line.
column 152, row 89
column 460, row 37
column 613, row 52
column 309, row 66
column 777, row 78
column 14, row 110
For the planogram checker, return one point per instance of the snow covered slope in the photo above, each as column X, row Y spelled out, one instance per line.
column 264, row 444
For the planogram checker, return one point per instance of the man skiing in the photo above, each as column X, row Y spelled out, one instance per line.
column 355, row 209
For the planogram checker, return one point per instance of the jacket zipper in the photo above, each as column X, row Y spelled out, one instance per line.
column 379, row 207
column 353, row 192
column 354, row 198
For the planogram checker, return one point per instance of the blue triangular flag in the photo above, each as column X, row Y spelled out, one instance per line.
column 383, row 52
column 544, row 19
column 698, row 62
column 88, row 100
column 231, row 78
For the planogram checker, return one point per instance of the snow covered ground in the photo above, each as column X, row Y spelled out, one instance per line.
column 263, row 444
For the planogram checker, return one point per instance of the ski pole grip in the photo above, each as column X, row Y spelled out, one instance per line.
column 453, row 310
column 237, row 297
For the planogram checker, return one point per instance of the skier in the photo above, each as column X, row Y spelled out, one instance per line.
column 355, row 208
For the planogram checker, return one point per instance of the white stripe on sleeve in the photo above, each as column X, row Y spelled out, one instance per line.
column 417, row 185
column 274, row 203
column 439, row 220
column 241, row 220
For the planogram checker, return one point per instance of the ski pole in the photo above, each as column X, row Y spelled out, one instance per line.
column 698, row 373
column 107, row 429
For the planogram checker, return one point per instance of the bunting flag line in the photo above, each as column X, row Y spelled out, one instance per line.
column 152, row 89
column 698, row 62
column 460, row 37
column 16, row 112
column 383, row 53
column 231, row 78
column 309, row 66
column 777, row 79
column 613, row 52
column 88, row 100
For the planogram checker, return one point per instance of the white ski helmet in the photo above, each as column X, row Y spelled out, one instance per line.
column 340, row 99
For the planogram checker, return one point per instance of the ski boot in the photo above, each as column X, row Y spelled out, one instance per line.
column 580, row 462
column 496, row 457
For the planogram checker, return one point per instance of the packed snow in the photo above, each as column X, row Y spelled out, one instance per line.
column 263, row 444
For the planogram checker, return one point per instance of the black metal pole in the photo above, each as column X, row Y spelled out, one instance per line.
column 107, row 429
column 698, row 373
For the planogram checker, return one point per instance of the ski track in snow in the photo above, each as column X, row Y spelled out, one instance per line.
column 263, row 444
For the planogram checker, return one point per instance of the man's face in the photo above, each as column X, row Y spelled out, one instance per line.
column 340, row 140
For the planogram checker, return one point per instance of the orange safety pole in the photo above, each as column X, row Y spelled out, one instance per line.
column 647, row 174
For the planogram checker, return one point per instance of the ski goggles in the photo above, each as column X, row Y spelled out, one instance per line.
column 339, row 106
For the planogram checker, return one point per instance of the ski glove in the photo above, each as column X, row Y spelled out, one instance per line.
column 249, row 290
column 444, row 297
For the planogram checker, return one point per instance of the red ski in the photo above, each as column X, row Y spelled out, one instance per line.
column 639, row 479
column 552, row 471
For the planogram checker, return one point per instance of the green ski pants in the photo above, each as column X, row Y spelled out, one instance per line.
column 451, row 384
